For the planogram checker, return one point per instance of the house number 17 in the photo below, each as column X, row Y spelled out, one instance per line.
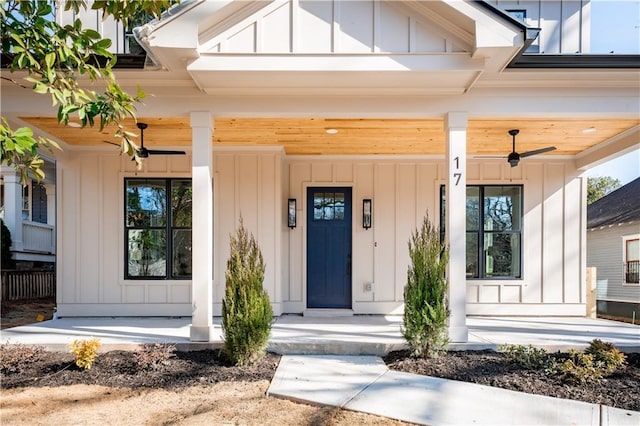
column 456, row 174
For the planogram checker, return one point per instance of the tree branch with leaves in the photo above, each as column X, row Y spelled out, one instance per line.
column 57, row 59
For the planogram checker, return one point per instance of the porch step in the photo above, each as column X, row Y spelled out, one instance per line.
column 327, row 313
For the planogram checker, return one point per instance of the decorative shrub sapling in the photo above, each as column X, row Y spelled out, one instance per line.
column 246, row 309
column 426, row 309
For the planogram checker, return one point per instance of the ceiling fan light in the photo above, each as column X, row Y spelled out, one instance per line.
column 513, row 159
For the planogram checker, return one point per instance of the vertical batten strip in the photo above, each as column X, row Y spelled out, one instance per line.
column 376, row 27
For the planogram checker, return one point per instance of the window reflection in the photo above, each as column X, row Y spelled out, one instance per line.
column 158, row 228
column 328, row 205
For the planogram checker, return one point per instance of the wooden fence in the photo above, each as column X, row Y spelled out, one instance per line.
column 23, row 285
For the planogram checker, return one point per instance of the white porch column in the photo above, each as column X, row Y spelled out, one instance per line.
column 202, row 227
column 13, row 205
column 51, row 203
column 456, row 214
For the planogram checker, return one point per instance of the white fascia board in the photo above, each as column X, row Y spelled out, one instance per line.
column 490, row 31
column 182, row 29
column 412, row 62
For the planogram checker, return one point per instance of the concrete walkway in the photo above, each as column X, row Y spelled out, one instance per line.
column 356, row 335
column 363, row 383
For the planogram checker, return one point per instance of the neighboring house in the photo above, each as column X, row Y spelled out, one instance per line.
column 332, row 128
column 613, row 238
column 29, row 212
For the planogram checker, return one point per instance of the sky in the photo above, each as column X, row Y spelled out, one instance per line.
column 615, row 26
column 624, row 168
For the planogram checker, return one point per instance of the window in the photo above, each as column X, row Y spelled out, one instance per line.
column 328, row 206
column 519, row 14
column 631, row 256
column 158, row 228
column 38, row 203
column 494, row 230
column 26, row 203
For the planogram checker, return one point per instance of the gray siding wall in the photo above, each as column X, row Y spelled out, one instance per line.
column 604, row 251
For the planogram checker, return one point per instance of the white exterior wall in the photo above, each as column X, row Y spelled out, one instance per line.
column 605, row 252
column 248, row 183
column 257, row 184
column 565, row 24
column 402, row 191
column 90, row 279
column 316, row 27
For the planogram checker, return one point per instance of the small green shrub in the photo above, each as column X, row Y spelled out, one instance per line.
column 85, row 351
column 606, row 354
column 246, row 309
column 526, row 356
column 150, row 356
column 580, row 367
column 425, row 296
column 14, row 357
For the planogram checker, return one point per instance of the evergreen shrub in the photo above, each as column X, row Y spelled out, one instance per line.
column 426, row 310
column 6, row 261
column 246, row 309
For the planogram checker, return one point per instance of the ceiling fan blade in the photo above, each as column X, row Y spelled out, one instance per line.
column 537, row 151
column 164, row 152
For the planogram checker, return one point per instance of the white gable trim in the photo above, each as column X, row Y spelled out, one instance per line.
column 292, row 26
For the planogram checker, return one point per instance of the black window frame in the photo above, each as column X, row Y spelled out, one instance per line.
column 168, row 228
column 480, row 232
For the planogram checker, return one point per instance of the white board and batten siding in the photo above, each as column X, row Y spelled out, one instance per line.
column 605, row 253
column 257, row 183
column 404, row 190
column 91, row 278
column 367, row 26
column 321, row 27
column 91, row 271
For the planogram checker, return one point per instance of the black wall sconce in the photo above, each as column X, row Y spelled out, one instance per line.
column 291, row 213
column 366, row 213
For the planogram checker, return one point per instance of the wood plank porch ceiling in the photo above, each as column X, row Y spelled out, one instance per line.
column 308, row 136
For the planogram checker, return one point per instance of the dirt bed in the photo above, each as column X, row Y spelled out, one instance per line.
column 620, row 389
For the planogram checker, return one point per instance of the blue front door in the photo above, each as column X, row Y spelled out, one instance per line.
column 329, row 248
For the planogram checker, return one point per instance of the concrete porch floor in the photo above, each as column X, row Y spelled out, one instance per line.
column 356, row 335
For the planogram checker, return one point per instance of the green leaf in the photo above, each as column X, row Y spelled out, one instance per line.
column 92, row 34
column 50, row 59
column 41, row 88
column 23, row 132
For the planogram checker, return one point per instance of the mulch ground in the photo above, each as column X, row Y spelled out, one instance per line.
column 119, row 369
column 620, row 389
